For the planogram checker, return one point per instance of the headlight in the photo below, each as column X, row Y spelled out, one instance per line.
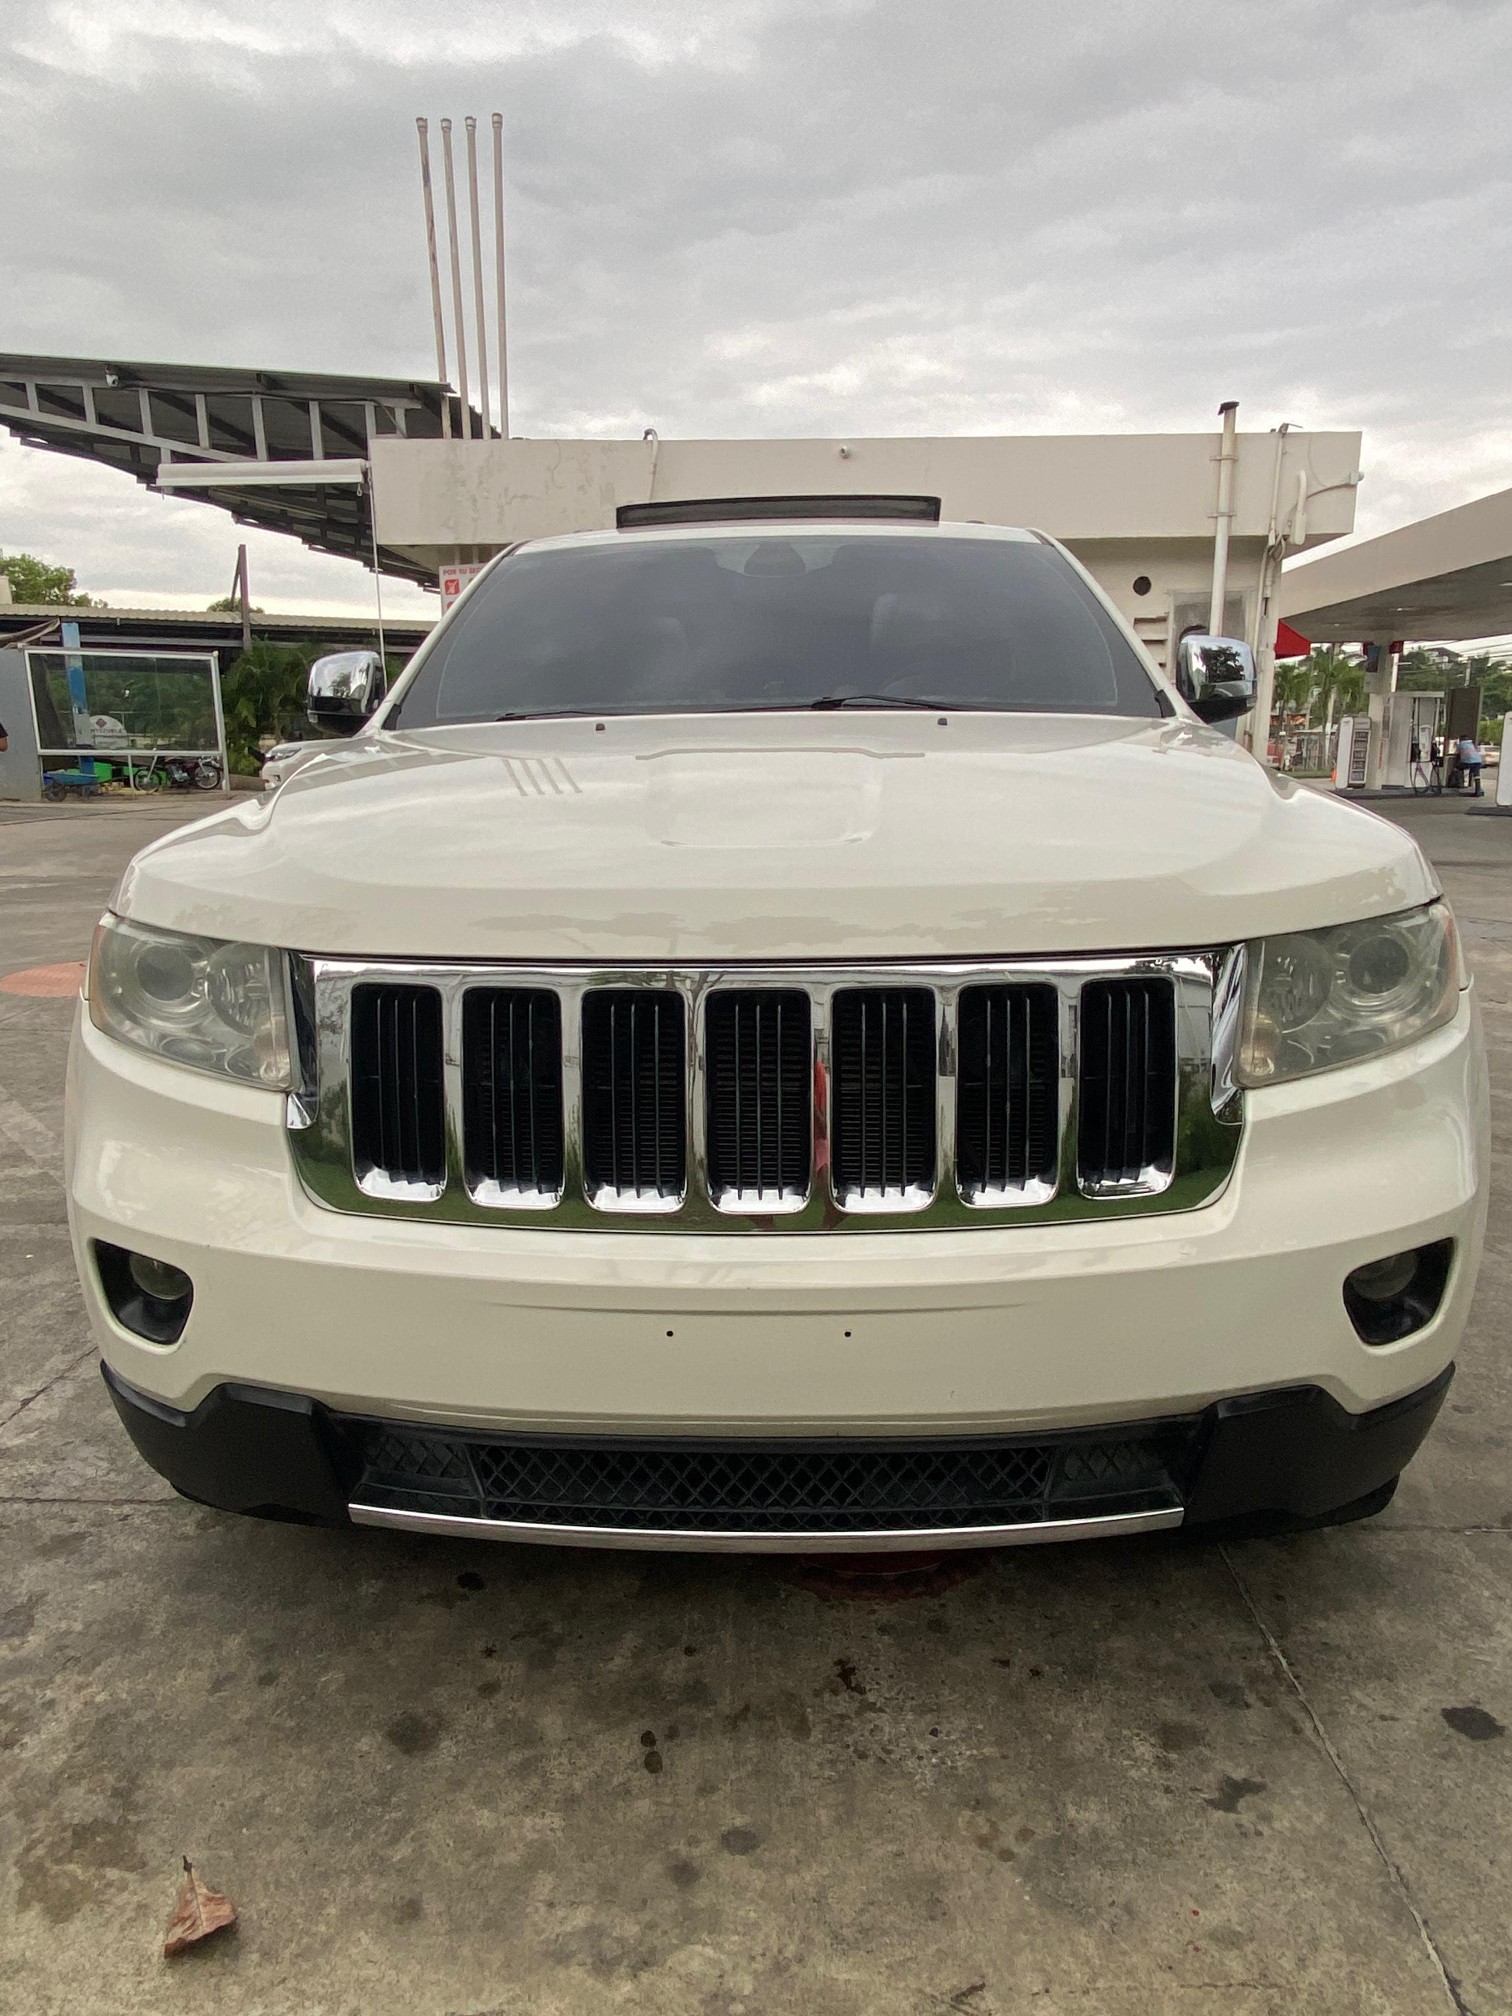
column 1315, row 999
column 200, row 1001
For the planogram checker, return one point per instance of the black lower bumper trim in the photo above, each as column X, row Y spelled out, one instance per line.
column 1297, row 1457
column 244, row 1449
column 1285, row 1459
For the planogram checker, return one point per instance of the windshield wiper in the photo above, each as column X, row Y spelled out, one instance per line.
column 827, row 701
column 551, row 714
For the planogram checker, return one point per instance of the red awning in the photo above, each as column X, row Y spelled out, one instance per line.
column 1291, row 643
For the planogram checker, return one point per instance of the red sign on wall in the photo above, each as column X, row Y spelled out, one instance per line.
column 455, row 579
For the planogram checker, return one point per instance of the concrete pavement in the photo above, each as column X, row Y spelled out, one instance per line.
column 443, row 1777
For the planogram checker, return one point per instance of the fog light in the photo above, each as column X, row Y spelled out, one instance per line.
column 149, row 1297
column 1377, row 1280
column 1391, row 1298
column 157, row 1279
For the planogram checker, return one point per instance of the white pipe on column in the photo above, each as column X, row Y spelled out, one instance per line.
column 422, row 126
column 1299, row 513
column 372, row 503
column 503, row 347
column 1273, row 539
column 1227, row 456
column 1262, row 626
column 456, row 277
column 477, row 265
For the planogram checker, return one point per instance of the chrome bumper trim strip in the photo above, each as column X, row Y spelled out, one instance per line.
column 689, row 1540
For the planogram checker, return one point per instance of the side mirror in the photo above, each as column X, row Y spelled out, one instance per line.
column 1216, row 707
column 1216, row 677
column 345, row 689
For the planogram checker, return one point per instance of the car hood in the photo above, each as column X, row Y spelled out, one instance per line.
column 777, row 837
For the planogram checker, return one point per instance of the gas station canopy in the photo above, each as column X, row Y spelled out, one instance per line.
column 144, row 418
column 1447, row 577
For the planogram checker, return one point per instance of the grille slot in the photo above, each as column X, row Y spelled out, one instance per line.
column 754, row 1487
column 1007, row 1094
column 634, row 1098
column 760, row 1120
column 882, row 1064
column 1126, row 1139
column 512, row 1093
column 398, row 1106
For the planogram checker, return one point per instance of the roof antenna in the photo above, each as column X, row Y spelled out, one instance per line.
column 498, row 192
column 422, row 126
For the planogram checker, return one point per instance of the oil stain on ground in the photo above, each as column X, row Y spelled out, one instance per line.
column 1232, row 1792
column 414, row 1735
column 1476, row 1723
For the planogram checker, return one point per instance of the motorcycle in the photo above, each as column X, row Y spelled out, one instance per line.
column 191, row 773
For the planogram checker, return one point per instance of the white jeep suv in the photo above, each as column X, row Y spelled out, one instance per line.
column 783, row 1031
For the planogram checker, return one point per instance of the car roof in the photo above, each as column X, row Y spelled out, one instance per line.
column 743, row 532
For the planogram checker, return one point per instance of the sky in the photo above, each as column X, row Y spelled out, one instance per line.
column 771, row 217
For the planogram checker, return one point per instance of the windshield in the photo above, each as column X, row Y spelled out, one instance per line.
column 770, row 621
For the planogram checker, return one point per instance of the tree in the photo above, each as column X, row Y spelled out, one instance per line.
column 1294, row 687
column 1338, row 680
column 224, row 605
column 1291, row 694
column 33, row 581
column 1423, row 671
column 264, row 694
column 1493, row 675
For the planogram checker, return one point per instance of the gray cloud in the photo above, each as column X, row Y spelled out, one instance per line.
column 773, row 217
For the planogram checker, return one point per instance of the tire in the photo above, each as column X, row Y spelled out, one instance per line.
column 207, row 776
column 54, row 793
column 147, row 780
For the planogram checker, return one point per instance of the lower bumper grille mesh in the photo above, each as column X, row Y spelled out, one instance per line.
column 733, row 1487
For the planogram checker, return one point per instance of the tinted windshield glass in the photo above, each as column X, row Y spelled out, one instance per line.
column 772, row 621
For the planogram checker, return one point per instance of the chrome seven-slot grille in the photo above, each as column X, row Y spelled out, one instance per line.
column 788, row 1099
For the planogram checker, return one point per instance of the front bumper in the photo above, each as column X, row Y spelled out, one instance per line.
column 997, row 1331
column 1278, row 1461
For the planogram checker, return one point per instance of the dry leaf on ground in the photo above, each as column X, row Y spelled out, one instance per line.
column 198, row 1912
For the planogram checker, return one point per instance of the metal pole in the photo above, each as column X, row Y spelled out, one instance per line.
column 422, row 127
column 244, row 597
column 456, row 276
column 78, row 696
column 1227, row 456
column 220, row 725
column 1262, row 626
column 372, row 503
column 477, row 266
column 1273, row 541
column 498, row 179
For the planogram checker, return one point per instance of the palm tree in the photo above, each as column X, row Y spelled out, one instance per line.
column 1338, row 679
column 1294, row 687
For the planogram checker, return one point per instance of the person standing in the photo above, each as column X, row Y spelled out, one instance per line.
column 1470, row 762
